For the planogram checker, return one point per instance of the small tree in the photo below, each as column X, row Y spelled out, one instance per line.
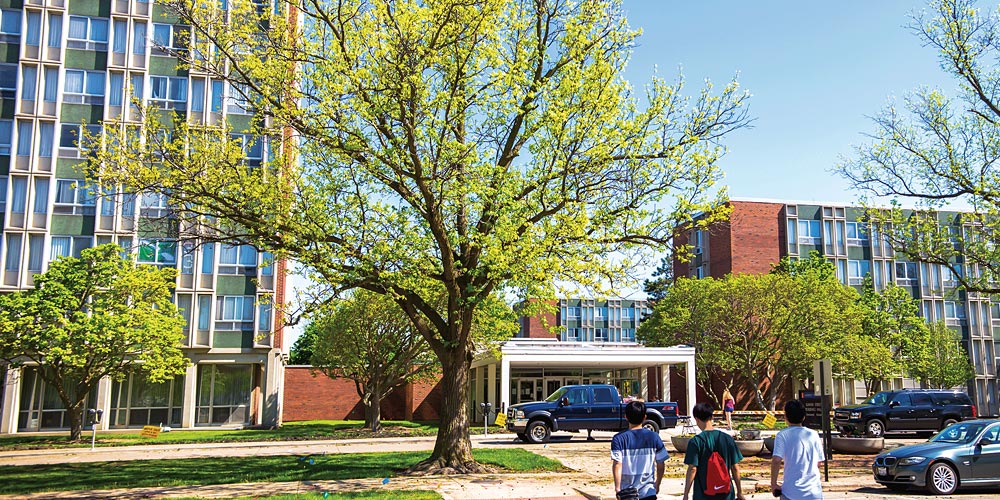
column 302, row 350
column 369, row 339
column 944, row 362
column 91, row 317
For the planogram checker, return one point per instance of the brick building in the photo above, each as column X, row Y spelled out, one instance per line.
column 759, row 233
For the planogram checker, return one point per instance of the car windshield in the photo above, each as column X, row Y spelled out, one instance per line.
column 556, row 395
column 877, row 399
column 962, row 433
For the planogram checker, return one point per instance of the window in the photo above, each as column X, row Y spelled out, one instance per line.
column 137, row 90
column 18, row 194
column 234, row 312
column 154, row 205
column 906, row 273
column 698, row 241
column 572, row 333
column 119, row 44
column 13, row 261
column 187, row 257
column 954, row 311
column 55, row 31
column 268, row 264
column 168, row 38
column 41, row 195
column 128, row 205
column 46, row 133
column 950, row 277
column 233, row 259
column 36, row 251
column 108, row 202
column 600, row 335
column 73, row 198
column 87, row 33
column 139, row 39
column 204, row 311
column 71, row 138
column 168, row 92
column 6, row 131
column 33, row 31
column 603, row 395
column 264, row 316
column 207, row 258
column 857, row 270
column 3, row 193
column 809, row 232
column 573, row 312
column 116, row 92
column 29, row 82
column 10, row 26
column 66, row 246
column 600, row 313
column 161, row 252
column 857, row 234
column 217, row 88
column 51, row 84
column 83, row 87
column 253, row 148
column 238, row 99
column 8, row 80
column 197, row 95
column 24, row 138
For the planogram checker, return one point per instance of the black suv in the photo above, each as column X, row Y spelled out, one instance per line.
column 914, row 410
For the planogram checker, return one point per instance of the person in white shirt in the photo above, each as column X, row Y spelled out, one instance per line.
column 802, row 453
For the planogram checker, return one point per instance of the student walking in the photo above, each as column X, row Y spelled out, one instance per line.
column 712, row 458
column 637, row 457
column 802, row 453
column 728, row 407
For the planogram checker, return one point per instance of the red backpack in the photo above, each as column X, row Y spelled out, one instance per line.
column 717, row 480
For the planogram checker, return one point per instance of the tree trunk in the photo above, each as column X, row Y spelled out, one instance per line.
column 75, row 414
column 375, row 410
column 453, row 448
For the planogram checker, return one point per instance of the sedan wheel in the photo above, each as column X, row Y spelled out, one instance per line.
column 942, row 479
column 875, row 428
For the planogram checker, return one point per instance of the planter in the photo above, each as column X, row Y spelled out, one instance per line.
column 750, row 434
column 750, row 447
column 680, row 443
column 769, row 444
column 857, row 445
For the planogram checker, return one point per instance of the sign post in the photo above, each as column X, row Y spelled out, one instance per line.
column 823, row 377
column 486, row 417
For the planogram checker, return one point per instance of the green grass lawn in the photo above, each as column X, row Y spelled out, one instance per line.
column 291, row 431
column 226, row 470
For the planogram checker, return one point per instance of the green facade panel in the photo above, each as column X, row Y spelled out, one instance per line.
column 74, row 225
column 93, row 9
column 810, row 212
column 86, row 59
column 232, row 340
column 239, row 123
column 10, row 52
column 160, row 14
column 11, row 4
column 69, row 168
column 81, row 113
column 7, row 109
column 4, row 165
column 165, row 66
column 235, row 285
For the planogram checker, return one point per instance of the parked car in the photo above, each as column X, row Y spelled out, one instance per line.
column 964, row 454
column 912, row 410
column 582, row 407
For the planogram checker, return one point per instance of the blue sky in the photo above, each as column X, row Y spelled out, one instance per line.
column 816, row 70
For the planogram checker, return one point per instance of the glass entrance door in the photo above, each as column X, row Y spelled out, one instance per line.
column 552, row 385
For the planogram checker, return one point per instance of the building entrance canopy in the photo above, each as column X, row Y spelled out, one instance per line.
column 525, row 364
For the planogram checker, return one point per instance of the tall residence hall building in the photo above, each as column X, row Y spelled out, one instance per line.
column 760, row 233
column 67, row 65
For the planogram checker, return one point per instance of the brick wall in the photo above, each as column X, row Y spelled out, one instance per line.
column 311, row 395
column 533, row 328
column 757, row 230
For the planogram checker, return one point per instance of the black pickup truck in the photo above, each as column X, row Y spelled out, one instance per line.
column 582, row 407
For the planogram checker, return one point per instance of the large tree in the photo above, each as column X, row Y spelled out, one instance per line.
column 91, row 317
column 755, row 332
column 936, row 149
column 367, row 338
column 454, row 149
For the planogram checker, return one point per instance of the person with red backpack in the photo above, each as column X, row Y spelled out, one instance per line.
column 712, row 458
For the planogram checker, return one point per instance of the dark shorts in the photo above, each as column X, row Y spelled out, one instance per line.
column 729, row 410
